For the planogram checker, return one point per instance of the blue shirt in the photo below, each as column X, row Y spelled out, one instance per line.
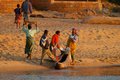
column 26, row 7
column 17, row 11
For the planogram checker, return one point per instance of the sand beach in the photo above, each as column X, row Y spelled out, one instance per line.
column 98, row 44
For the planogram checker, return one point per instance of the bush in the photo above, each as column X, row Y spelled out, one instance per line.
column 115, row 1
column 116, row 9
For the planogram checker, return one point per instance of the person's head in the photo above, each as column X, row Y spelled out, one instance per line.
column 74, row 31
column 29, row 26
column 58, row 33
column 46, row 32
column 18, row 5
column 26, row 0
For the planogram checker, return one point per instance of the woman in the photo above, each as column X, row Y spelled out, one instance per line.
column 29, row 38
column 71, row 43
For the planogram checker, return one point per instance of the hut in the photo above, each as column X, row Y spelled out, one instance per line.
column 7, row 6
column 67, row 5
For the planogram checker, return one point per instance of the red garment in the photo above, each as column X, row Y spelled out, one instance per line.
column 18, row 18
column 55, row 40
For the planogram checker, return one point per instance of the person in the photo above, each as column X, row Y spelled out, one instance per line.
column 26, row 9
column 71, row 43
column 29, row 37
column 18, row 15
column 44, row 43
column 54, row 45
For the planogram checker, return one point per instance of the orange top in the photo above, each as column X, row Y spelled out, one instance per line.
column 55, row 40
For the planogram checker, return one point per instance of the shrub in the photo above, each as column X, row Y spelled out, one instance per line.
column 115, row 1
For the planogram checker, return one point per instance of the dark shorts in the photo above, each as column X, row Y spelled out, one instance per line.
column 26, row 16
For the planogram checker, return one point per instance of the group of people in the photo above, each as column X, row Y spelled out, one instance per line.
column 49, row 48
column 24, row 10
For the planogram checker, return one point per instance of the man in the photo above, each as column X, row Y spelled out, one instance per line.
column 26, row 9
column 29, row 38
column 44, row 44
column 71, row 43
column 54, row 45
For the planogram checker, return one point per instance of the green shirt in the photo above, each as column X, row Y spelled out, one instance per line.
column 30, row 32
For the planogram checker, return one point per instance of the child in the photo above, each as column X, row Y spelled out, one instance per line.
column 17, row 16
column 71, row 43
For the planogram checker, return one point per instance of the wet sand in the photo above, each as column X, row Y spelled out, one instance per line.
column 22, row 68
column 109, row 72
column 38, row 77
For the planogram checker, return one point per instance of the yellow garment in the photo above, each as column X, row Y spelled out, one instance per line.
column 71, row 45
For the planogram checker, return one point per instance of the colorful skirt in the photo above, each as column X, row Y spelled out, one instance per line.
column 29, row 45
column 18, row 18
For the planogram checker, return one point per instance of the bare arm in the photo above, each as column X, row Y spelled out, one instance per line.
column 30, row 7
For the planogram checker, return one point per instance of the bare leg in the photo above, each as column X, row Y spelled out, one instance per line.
column 17, row 25
column 29, row 56
column 73, row 60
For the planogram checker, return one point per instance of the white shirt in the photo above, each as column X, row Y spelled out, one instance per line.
column 30, row 32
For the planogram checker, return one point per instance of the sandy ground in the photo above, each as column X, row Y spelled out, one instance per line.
column 101, row 20
column 98, row 44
